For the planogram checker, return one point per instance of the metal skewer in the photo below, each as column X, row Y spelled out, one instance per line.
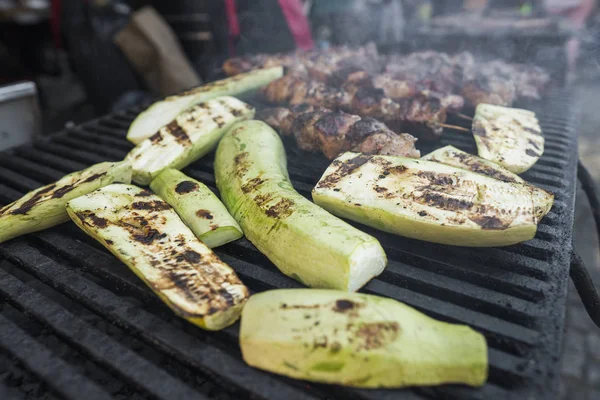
column 456, row 127
column 463, row 116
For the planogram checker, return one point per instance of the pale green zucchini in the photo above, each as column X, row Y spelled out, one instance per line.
column 164, row 111
column 301, row 239
column 148, row 236
column 191, row 135
column 198, row 207
column 45, row 207
column 358, row 340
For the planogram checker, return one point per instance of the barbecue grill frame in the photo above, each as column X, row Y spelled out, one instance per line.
column 516, row 295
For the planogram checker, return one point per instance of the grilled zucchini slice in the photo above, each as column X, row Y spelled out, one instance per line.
column 198, row 207
column 45, row 207
column 302, row 240
column 162, row 112
column 427, row 200
column 450, row 155
column 191, row 135
column 510, row 137
column 146, row 234
column 359, row 340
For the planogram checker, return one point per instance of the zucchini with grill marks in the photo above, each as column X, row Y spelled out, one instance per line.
column 510, row 137
column 146, row 234
column 427, row 200
column 45, row 207
column 304, row 241
column 162, row 112
column 450, row 155
column 198, row 207
column 356, row 339
column 191, row 135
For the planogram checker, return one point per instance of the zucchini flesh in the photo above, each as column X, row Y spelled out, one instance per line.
column 191, row 135
column 162, row 112
column 302, row 240
column 198, row 207
column 450, row 155
column 45, row 207
column 148, row 236
column 427, row 200
column 510, row 137
column 359, row 340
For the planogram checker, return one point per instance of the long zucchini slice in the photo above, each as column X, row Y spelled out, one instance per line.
column 191, row 135
column 510, row 137
column 45, row 207
column 358, row 340
column 427, row 200
column 162, row 112
column 198, row 207
column 148, row 236
column 302, row 240
column 450, row 155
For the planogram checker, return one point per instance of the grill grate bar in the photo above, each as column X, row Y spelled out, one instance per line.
column 100, row 139
column 31, row 168
column 96, row 344
column 50, row 160
column 57, row 373
column 82, row 156
column 111, row 153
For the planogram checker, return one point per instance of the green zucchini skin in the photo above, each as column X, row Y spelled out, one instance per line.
column 198, row 207
column 356, row 339
column 191, row 135
column 164, row 111
column 304, row 241
column 45, row 207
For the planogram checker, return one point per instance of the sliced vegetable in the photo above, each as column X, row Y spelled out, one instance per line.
column 198, row 207
column 45, row 207
column 146, row 234
column 301, row 239
column 427, row 200
column 510, row 137
column 162, row 112
column 450, row 155
column 356, row 339
column 191, row 135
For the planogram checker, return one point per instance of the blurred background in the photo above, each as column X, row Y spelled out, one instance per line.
column 63, row 62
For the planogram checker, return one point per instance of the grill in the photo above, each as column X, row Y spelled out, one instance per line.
column 76, row 323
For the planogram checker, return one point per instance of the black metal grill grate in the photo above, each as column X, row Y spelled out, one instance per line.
column 77, row 322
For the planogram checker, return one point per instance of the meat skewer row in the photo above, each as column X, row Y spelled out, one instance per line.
column 322, row 62
column 416, row 114
column 392, row 87
column 331, row 132
column 453, row 80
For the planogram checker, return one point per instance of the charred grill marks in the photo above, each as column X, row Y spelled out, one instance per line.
column 186, row 187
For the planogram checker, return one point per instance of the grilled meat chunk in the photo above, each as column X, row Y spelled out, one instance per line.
column 331, row 132
column 421, row 114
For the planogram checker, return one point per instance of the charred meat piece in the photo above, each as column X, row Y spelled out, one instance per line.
column 331, row 132
column 419, row 112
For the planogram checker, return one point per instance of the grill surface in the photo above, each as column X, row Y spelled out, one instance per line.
column 76, row 323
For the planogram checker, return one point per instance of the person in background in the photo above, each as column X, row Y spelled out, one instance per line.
column 577, row 13
column 269, row 26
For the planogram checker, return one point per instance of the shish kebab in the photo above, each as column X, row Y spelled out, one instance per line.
column 418, row 114
column 332, row 132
